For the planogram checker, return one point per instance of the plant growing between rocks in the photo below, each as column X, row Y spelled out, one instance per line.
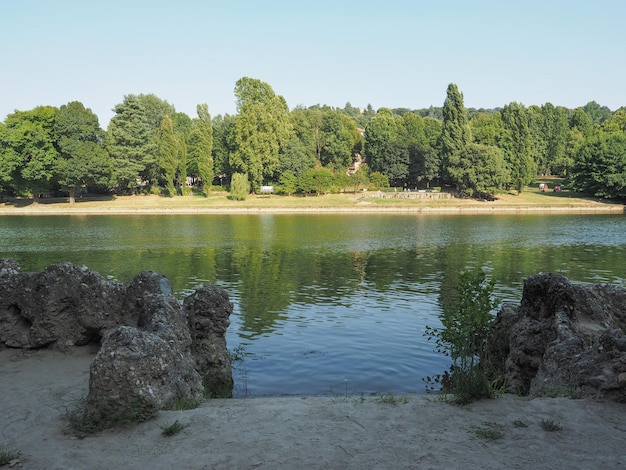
column 466, row 327
column 172, row 429
column 8, row 456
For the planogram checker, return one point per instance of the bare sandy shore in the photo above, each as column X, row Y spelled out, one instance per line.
column 37, row 388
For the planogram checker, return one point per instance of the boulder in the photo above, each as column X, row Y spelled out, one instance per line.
column 208, row 310
column 153, row 351
column 563, row 339
column 62, row 306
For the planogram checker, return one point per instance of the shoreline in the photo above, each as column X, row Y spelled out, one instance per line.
column 443, row 210
column 39, row 387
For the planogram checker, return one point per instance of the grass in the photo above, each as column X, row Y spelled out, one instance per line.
column 489, row 431
column 172, row 429
column 7, row 456
column 550, row 426
column 531, row 199
column 391, row 399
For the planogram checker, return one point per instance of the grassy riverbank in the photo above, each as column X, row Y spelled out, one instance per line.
column 530, row 200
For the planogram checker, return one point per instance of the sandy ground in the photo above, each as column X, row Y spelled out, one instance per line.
column 36, row 388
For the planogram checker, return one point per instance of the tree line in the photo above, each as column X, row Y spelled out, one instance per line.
column 150, row 147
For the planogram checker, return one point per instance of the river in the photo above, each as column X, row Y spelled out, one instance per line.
column 328, row 303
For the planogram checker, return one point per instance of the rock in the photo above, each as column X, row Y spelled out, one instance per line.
column 208, row 310
column 63, row 306
column 563, row 339
column 137, row 372
column 153, row 352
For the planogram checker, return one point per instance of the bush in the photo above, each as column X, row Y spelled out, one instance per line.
column 466, row 327
column 239, row 187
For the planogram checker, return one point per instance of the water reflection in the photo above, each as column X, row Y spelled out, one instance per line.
column 323, row 301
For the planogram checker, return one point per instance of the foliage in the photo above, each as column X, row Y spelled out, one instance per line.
column 316, row 180
column 481, row 171
column 200, row 158
column 168, row 150
column 550, row 426
column 288, row 183
column 133, row 139
column 172, row 429
column 466, row 327
column 83, row 160
column 261, row 128
column 455, row 133
column 517, row 145
column 7, row 456
column 489, row 431
column 379, row 181
column 600, row 166
column 239, row 187
column 380, row 133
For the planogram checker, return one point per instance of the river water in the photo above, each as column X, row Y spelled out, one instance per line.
column 328, row 303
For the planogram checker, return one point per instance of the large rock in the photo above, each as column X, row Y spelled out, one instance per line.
column 563, row 339
column 208, row 310
column 62, row 306
column 146, row 336
column 137, row 372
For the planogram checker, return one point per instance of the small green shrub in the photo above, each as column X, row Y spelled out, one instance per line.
column 467, row 323
column 392, row 399
column 239, row 187
column 7, row 456
column 550, row 426
column 489, row 431
column 172, row 429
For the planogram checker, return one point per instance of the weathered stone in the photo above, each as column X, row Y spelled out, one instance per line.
column 139, row 367
column 146, row 353
column 208, row 310
column 563, row 339
column 63, row 306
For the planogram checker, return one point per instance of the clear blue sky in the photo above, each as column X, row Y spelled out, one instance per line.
column 388, row 53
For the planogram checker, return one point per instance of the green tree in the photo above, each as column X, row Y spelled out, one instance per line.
column 133, row 139
column 482, row 172
column 516, row 143
column 239, row 187
column 79, row 140
column 168, row 150
column 200, row 148
column 378, row 180
column 359, row 180
column 223, row 144
column 316, row 180
column 299, row 153
column 455, row 132
column 380, row 133
column 555, row 134
column 262, row 127
column 600, row 166
column 29, row 145
column 339, row 135
column 598, row 114
column 288, row 183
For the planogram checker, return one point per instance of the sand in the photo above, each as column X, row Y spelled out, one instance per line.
column 335, row 432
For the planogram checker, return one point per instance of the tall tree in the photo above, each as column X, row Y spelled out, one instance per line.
column 455, row 132
column 168, row 152
column 201, row 147
column 516, row 144
column 380, row 133
column 482, row 172
column 80, row 141
column 262, row 127
column 300, row 152
column 339, row 137
column 133, row 139
column 223, row 144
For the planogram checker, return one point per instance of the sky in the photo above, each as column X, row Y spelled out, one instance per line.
column 386, row 53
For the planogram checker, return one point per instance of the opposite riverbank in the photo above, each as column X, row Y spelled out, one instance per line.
column 363, row 203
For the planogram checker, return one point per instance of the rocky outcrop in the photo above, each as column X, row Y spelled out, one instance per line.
column 151, row 353
column 563, row 339
column 208, row 310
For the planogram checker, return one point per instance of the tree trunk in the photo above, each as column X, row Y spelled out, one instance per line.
column 72, row 195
